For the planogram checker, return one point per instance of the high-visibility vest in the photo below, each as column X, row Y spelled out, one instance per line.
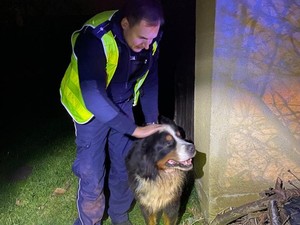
column 70, row 92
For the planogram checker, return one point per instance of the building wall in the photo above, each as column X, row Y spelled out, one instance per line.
column 247, row 99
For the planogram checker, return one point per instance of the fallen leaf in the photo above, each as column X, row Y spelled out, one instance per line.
column 59, row 191
column 18, row 202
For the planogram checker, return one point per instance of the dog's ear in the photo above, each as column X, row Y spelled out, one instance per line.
column 138, row 162
column 146, row 169
column 146, row 165
column 165, row 120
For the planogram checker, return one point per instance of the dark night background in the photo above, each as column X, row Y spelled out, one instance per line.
column 36, row 49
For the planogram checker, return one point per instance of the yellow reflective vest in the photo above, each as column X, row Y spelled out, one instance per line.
column 70, row 92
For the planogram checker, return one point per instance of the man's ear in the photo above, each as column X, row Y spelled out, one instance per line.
column 124, row 23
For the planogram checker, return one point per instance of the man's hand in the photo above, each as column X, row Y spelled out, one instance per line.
column 142, row 132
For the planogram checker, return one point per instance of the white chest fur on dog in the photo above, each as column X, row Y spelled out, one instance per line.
column 155, row 195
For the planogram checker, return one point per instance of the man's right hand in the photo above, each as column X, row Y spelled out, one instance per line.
column 142, row 132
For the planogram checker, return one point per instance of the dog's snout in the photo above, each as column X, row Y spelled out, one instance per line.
column 191, row 148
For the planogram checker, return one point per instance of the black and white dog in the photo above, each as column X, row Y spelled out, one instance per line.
column 157, row 168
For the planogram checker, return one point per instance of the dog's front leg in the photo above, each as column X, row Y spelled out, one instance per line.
column 152, row 219
column 170, row 213
column 170, row 220
column 149, row 217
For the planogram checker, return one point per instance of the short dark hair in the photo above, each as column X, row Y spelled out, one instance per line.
column 149, row 10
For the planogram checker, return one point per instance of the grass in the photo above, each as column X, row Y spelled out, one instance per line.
column 47, row 195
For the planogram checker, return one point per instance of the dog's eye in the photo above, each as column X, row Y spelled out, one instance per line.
column 169, row 139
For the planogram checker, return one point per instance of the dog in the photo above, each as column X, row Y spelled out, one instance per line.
column 157, row 170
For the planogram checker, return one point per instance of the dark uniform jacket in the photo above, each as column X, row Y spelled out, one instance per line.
column 105, row 103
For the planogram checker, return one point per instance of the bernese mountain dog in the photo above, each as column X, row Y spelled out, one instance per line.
column 157, row 170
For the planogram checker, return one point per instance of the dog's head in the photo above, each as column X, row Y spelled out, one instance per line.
column 165, row 150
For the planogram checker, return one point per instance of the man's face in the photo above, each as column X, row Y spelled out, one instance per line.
column 140, row 36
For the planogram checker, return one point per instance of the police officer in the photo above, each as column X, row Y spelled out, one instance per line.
column 113, row 66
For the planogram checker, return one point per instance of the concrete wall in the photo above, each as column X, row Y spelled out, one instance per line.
column 247, row 99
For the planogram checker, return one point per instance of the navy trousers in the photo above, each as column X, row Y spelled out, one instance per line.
column 92, row 139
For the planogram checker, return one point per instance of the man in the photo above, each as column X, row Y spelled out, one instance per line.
column 113, row 65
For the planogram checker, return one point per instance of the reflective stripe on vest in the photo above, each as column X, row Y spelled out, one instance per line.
column 141, row 80
column 70, row 92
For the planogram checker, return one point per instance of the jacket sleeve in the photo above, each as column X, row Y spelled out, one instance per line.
column 92, row 77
